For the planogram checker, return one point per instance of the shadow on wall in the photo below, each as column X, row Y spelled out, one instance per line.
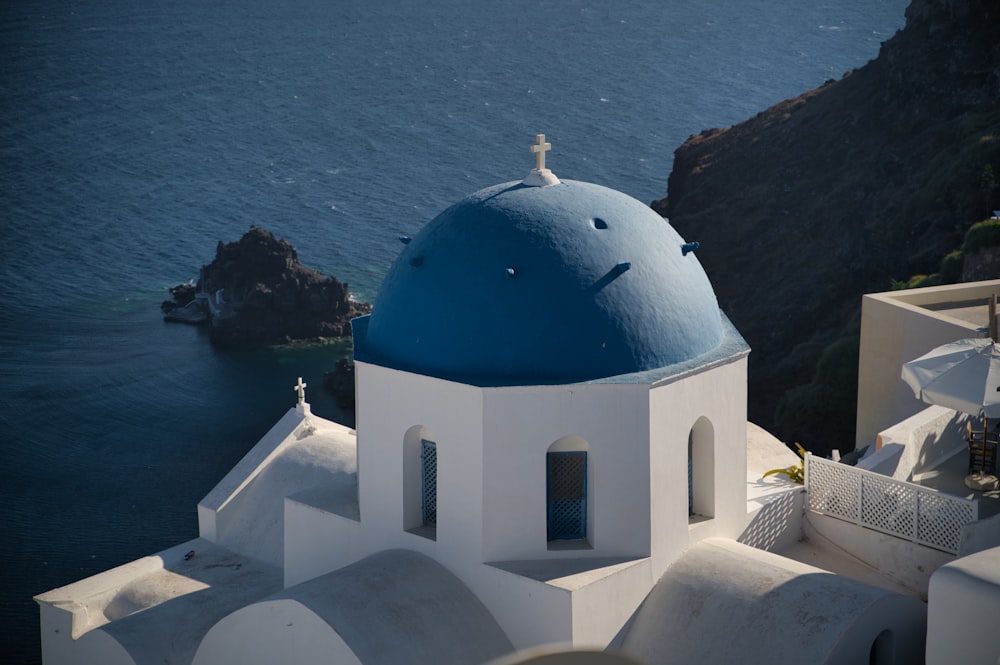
column 939, row 445
column 777, row 523
column 917, row 444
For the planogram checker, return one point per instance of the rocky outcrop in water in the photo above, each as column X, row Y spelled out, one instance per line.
column 340, row 382
column 256, row 293
column 839, row 191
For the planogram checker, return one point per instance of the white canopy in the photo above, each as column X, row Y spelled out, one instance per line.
column 962, row 375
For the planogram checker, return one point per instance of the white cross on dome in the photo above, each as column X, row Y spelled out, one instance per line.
column 540, row 176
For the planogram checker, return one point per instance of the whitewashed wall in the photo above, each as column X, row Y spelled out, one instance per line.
column 61, row 647
column 896, row 327
column 918, row 444
column 389, row 403
column 719, row 396
column 962, row 609
column 317, row 542
column 491, row 456
column 520, row 425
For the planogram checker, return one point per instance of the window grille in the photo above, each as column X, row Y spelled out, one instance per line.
column 428, row 474
column 567, row 495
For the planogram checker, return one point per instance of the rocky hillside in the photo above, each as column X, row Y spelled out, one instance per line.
column 835, row 193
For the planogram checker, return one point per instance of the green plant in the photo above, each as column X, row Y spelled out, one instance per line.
column 920, row 281
column 951, row 267
column 796, row 472
column 982, row 234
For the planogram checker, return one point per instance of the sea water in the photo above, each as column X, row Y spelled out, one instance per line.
column 135, row 135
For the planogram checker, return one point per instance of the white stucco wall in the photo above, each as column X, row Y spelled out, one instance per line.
column 317, row 541
column 99, row 647
column 61, row 647
column 389, row 403
column 582, row 602
column 981, row 535
column 896, row 328
column 529, row 611
column 774, row 518
column 717, row 394
column 603, row 606
column 901, row 561
column 962, row 611
column 918, row 444
column 521, row 423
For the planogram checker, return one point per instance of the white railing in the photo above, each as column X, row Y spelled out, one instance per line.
column 874, row 501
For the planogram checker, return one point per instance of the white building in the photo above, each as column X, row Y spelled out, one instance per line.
column 551, row 448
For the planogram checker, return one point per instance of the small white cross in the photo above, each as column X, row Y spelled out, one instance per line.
column 301, row 389
column 540, row 147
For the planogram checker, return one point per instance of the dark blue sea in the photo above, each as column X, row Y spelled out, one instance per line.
column 134, row 135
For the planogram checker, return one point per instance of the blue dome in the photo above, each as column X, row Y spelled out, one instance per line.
column 519, row 285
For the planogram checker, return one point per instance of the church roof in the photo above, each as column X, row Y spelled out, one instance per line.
column 304, row 458
column 521, row 285
column 725, row 602
column 391, row 607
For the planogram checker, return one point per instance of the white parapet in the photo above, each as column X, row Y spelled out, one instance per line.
column 918, row 444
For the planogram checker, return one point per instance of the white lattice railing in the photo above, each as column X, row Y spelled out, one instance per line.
column 878, row 502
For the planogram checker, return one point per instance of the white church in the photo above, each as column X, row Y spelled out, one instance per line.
column 552, row 452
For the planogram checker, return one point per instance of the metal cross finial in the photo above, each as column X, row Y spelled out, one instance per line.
column 301, row 389
column 540, row 147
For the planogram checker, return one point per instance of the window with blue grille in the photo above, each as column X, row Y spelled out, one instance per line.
column 567, row 495
column 428, row 474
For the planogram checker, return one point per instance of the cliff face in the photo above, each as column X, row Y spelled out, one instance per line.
column 821, row 198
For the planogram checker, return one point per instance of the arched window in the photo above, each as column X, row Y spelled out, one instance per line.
column 701, row 470
column 420, row 482
column 566, row 483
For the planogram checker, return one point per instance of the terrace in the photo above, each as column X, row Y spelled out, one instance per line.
column 902, row 508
